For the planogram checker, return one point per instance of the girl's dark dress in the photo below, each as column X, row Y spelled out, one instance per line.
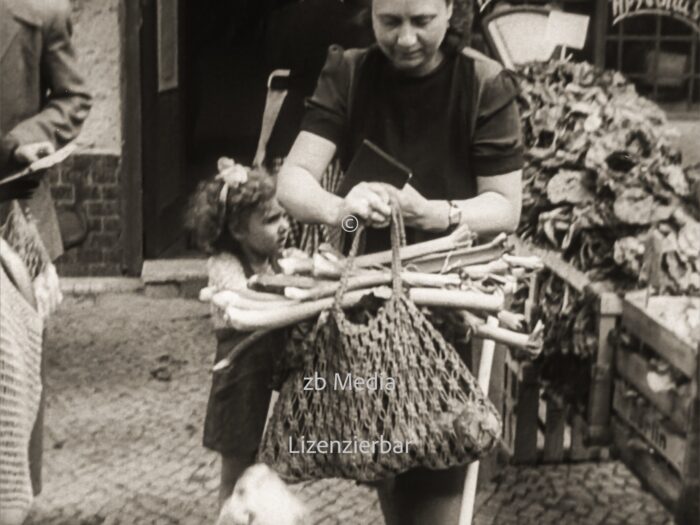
column 240, row 395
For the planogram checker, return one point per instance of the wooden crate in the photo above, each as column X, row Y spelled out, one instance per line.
column 536, row 429
column 609, row 310
column 544, row 428
column 657, row 434
column 653, row 332
column 654, row 472
column 632, row 368
column 650, row 424
column 503, row 388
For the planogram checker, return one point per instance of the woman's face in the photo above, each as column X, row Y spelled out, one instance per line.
column 410, row 32
column 265, row 231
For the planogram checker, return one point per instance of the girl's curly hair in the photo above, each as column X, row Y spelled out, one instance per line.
column 207, row 218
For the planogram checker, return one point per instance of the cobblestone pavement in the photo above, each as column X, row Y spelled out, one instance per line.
column 126, row 390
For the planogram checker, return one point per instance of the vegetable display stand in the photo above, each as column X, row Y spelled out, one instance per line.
column 656, row 405
column 608, row 308
column 502, row 391
column 541, row 428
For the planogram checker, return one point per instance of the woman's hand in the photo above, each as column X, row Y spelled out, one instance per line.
column 368, row 202
column 419, row 212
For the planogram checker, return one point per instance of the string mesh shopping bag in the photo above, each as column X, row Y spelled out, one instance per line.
column 20, row 392
column 21, row 233
column 435, row 416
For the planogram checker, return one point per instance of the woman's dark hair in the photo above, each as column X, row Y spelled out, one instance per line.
column 208, row 218
column 459, row 32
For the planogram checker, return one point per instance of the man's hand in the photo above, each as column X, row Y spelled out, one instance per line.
column 29, row 153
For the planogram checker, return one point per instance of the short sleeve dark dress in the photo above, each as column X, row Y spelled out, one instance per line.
column 456, row 123
column 451, row 126
column 240, row 395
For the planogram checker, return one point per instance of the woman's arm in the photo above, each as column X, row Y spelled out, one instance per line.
column 495, row 209
column 300, row 192
column 497, row 206
column 298, row 182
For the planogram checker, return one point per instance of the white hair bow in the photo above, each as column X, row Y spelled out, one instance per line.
column 232, row 174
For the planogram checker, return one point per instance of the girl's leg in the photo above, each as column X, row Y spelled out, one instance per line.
column 231, row 469
column 423, row 497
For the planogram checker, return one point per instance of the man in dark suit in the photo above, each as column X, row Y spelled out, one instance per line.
column 43, row 99
column 43, row 103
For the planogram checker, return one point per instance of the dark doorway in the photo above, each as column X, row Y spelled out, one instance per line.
column 210, row 106
column 227, row 74
column 162, row 111
column 204, row 68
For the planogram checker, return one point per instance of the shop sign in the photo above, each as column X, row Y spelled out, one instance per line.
column 686, row 10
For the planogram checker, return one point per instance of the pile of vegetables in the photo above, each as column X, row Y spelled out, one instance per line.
column 449, row 273
column 601, row 175
column 603, row 185
column 570, row 340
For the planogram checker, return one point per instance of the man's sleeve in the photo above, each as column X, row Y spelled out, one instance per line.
column 497, row 143
column 68, row 101
column 8, row 144
column 326, row 110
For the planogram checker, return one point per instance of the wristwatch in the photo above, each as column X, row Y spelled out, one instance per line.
column 454, row 216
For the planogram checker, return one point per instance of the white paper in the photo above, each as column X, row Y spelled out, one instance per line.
column 43, row 163
column 567, row 29
column 513, row 36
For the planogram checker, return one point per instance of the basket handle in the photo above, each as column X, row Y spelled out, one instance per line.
column 398, row 239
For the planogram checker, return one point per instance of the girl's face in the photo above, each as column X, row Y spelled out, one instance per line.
column 266, row 230
column 410, row 32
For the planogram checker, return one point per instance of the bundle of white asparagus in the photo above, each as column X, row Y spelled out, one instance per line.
column 447, row 272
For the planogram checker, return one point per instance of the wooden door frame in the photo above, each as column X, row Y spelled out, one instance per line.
column 162, row 129
column 131, row 171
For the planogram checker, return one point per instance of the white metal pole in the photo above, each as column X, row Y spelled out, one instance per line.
column 469, row 494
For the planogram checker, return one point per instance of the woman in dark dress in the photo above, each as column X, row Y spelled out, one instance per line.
column 447, row 113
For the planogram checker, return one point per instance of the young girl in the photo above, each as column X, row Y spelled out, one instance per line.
column 236, row 218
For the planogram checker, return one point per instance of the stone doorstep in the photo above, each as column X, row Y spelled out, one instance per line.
column 160, row 278
column 99, row 285
column 157, row 271
column 167, row 278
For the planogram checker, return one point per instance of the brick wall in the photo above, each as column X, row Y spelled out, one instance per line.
column 102, row 250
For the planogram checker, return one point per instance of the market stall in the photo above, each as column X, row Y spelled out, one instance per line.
column 608, row 208
column 611, row 209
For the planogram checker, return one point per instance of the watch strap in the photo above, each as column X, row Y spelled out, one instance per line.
column 455, row 214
